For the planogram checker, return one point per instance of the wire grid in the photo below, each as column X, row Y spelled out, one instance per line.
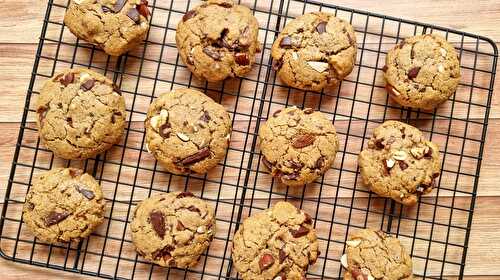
column 436, row 231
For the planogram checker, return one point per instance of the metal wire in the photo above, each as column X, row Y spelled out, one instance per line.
column 436, row 231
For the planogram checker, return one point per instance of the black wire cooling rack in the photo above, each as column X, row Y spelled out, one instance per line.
column 436, row 231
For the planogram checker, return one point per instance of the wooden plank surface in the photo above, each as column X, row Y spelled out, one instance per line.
column 20, row 29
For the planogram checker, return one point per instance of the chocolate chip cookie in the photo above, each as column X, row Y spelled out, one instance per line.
column 80, row 114
column 116, row 26
column 298, row 146
column 422, row 71
column 173, row 229
column 278, row 243
column 376, row 255
column 64, row 205
column 399, row 162
column 314, row 51
column 186, row 131
column 218, row 39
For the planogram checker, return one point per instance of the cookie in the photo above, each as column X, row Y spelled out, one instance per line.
column 115, row 26
column 63, row 205
column 186, row 131
column 80, row 114
column 422, row 71
column 298, row 146
column 218, row 39
column 173, row 229
column 278, row 243
column 314, row 51
column 374, row 255
column 399, row 162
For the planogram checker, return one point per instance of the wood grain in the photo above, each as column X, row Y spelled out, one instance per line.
column 20, row 29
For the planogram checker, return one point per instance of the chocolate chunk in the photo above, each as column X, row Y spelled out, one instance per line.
column 320, row 163
column 428, row 154
column 105, row 9
column 357, row 274
column 211, row 52
column 180, row 226
column 185, row 194
column 351, row 40
column 286, row 42
column 55, row 217
column 302, row 231
column 291, row 176
column 143, row 8
column 302, row 141
column 113, row 117
column 165, row 130
column 321, row 27
column 379, row 144
column 277, row 64
column 403, row 165
column 267, row 164
column 194, row 209
column 30, row 206
column 189, row 15
column 199, row 156
column 119, row 5
column 163, row 253
column 295, row 165
column 88, row 85
column 42, row 112
column 307, row 219
column 435, row 175
column 205, row 117
column 75, row 172
column 67, row 79
column 266, row 261
column 401, row 44
column 87, row 193
column 308, row 111
column 282, row 255
column 413, row 73
column 157, row 220
column 117, row 89
column 275, row 114
column 133, row 14
column 384, row 69
column 225, row 4
column 242, row 58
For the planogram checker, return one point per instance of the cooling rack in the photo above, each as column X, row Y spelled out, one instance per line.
column 436, row 231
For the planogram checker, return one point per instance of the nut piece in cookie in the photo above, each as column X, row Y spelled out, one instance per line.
column 218, row 40
column 186, row 131
column 399, row 163
column 115, row 26
column 422, row 71
column 64, row 205
column 277, row 243
column 315, row 51
column 298, row 146
column 173, row 229
column 374, row 255
column 80, row 114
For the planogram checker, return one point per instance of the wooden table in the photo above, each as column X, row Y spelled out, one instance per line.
column 20, row 26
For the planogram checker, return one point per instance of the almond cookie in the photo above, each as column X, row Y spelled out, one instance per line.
column 298, row 146
column 80, row 114
column 115, row 26
column 186, row 131
column 314, row 51
column 422, row 71
column 64, row 205
column 173, row 229
column 399, row 162
column 374, row 255
column 218, row 39
column 278, row 243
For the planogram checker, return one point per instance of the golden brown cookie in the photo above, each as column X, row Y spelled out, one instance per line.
column 80, row 114
column 116, row 26
column 422, row 71
column 278, row 243
column 173, row 229
column 314, row 51
column 218, row 39
column 399, row 162
column 64, row 205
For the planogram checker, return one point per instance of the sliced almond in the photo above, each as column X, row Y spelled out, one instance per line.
column 370, row 277
column 201, row 229
column 417, row 152
column 399, row 155
column 155, row 122
column 353, row 243
column 443, row 52
column 147, row 148
column 84, row 77
column 319, row 66
column 390, row 163
column 295, row 56
column 278, row 278
column 441, row 68
column 183, row 136
column 343, row 261
column 164, row 114
column 195, row 128
column 78, row 1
